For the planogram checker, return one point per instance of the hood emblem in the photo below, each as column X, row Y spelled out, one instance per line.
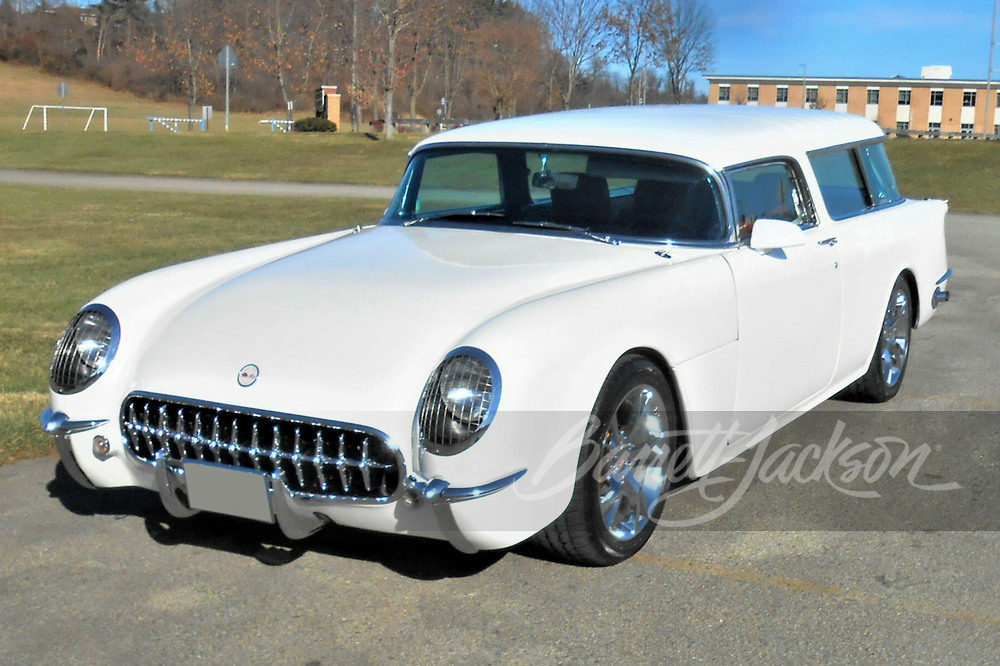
column 248, row 375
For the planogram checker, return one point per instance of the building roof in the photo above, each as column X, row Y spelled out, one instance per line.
column 849, row 80
column 719, row 136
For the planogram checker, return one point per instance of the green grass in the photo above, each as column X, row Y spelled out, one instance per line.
column 62, row 247
column 314, row 157
column 963, row 172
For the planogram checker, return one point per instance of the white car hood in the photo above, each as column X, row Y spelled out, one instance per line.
column 360, row 322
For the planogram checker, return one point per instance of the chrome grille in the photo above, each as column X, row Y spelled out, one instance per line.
column 311, row 457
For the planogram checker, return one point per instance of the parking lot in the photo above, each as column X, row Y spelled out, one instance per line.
column 791, row 572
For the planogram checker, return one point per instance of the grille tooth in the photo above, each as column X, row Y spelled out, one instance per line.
column 306, row 455
column 255, row 444
column 342, row 465
column 199, row 446
column 366, row 474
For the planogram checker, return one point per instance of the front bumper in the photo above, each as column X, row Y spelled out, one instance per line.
column 297, row 516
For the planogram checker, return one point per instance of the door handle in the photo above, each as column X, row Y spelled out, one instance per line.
column 828, row 241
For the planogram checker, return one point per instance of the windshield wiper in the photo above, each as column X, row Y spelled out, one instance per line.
column 463, row 216
column 560, row 226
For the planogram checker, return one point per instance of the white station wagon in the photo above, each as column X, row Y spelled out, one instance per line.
column 536, row 341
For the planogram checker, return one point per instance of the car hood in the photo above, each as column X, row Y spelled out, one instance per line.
column 362, row 320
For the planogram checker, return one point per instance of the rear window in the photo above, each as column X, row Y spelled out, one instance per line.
column 855, row 179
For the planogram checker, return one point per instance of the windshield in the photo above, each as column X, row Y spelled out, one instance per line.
column 600, row 193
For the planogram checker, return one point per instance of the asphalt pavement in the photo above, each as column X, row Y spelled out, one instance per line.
column 107, row 576
column 100, row 181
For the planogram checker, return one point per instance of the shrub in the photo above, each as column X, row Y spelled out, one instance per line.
column 315, row 125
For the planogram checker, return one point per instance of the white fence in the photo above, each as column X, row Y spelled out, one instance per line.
column 45, row 114
column 173, row 124
column 278, row 125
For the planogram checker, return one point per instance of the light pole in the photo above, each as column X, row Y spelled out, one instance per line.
column 227, row 59
column 989, row 119
column 805, row 103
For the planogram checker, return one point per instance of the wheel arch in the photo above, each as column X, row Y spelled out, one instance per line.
column 660, row 361
column 911, row 282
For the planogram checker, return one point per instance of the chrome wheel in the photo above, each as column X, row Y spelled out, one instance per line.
column 631, row 476
column 628, row 461
column 894, row 344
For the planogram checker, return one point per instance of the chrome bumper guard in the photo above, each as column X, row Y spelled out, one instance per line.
column 941, row 295
column 58, row 424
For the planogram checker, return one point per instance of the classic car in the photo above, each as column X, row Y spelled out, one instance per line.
column 537, row 340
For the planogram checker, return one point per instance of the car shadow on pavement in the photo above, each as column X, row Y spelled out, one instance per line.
column 413, row 557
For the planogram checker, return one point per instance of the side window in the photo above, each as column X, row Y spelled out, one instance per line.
column 459, row 181
column 840, row 183
column 767, row 191
column 878, row 173
column 855, row 180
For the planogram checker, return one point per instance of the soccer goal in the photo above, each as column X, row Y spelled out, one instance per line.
column 94, row 110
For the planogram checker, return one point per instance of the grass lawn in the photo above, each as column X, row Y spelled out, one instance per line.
column 964, row 172
column 312, row 157
column 62, row 247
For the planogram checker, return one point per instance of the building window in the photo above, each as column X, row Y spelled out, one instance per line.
column 903, row 125
column 723, row 93
column 934, row 127
column 782, row 94
column 753, row 93
column 937, row 97
column 841, row 95
column 812, row 95
column 969, row 98
column 967, row 129
column 873, row 95
column 904, row 97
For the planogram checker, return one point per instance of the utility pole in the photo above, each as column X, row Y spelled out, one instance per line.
column 989, row 118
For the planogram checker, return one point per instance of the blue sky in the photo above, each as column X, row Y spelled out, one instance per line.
column 851, row 37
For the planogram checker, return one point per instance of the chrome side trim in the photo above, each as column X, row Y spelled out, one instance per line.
column 55, row 422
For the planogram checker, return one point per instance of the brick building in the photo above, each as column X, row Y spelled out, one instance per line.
column 934, row 103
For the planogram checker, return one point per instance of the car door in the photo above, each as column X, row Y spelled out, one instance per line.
column 789, row 300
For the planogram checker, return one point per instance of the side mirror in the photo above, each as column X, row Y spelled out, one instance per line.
column 768, row 235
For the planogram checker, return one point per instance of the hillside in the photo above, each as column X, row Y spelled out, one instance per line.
column 21, row 87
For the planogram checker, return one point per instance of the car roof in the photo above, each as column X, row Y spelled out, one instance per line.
column 719, row 136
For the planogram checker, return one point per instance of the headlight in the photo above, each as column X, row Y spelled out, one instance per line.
column 459, row 401
column 85, row 349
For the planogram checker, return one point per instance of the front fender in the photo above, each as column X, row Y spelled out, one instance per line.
column 554, row 355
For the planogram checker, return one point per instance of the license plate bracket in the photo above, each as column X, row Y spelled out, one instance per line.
column 228, row 490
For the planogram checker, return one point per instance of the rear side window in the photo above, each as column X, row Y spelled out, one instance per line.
column 855, row 179
column 878, row 174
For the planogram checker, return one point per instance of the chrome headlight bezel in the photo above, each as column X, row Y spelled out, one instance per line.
column 458, row 402
column 84, row 350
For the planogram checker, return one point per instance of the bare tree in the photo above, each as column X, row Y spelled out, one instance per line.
column 577, row 35
column 507, row 54
column 630, row 29
column 395, row 17
column 685, row 41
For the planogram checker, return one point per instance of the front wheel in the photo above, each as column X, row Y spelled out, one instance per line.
column 626, row 465
column 888, row 365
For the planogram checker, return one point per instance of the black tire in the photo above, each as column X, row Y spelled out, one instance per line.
column 620, row 485
column 885, row 373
